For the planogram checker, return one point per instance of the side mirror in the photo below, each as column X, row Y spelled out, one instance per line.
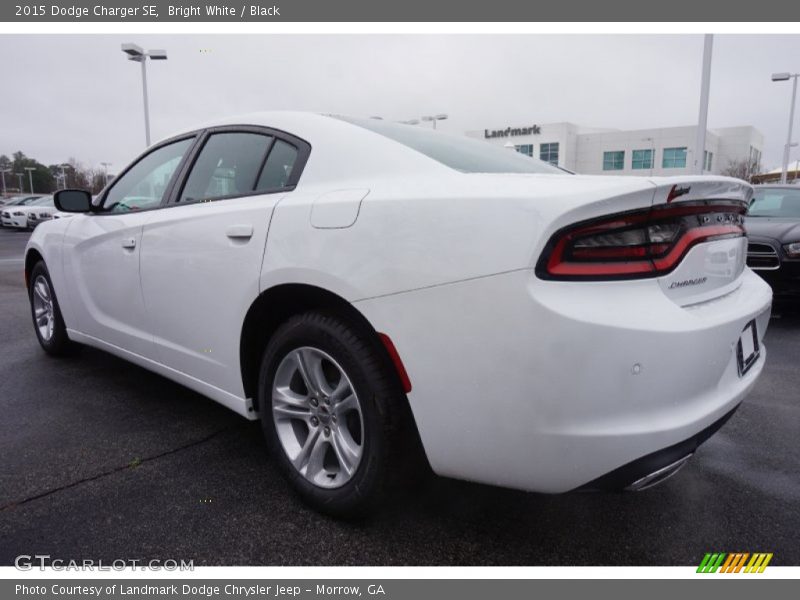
column 74, row 201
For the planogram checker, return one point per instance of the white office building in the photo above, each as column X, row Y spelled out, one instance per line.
column 667, row 151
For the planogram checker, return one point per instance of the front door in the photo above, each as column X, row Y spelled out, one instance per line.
column 102, row 252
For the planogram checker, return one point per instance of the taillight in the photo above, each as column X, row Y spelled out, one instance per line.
column 638, row 244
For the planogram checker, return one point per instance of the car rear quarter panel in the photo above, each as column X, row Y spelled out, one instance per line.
column 413, row 234
column 546, row 385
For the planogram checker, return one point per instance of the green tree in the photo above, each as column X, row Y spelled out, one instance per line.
column 43, row 180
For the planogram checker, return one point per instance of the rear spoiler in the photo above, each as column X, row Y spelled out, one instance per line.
column 670, row 190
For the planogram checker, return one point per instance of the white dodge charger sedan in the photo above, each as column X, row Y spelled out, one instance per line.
column 384, row 298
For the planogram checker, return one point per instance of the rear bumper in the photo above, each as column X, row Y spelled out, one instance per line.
column 548, row 386
column 656, row 467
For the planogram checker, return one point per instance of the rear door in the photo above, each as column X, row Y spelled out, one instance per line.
column 201, row 257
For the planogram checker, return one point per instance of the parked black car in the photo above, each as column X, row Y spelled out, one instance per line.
column 773, row 232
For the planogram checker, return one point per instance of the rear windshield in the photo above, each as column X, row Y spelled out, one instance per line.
column 457, row 152
column 775, row 202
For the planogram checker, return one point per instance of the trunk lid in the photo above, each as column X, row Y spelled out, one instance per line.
column 711, row 268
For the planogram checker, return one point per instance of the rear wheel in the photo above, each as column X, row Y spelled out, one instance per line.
column 332, row 413
column 47, row 320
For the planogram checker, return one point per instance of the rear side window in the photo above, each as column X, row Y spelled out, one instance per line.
column 228, row 165
column 278, row 167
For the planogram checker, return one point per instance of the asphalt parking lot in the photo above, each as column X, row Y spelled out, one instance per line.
column 104, row 460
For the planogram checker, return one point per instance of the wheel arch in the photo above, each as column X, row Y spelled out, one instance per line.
column 274, row 306
column 32, row 256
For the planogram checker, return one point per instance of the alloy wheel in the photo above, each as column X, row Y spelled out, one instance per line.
column 317, row 417
column 43, row 311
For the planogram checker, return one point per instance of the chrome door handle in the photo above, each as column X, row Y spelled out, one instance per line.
column 239, row 232
column 129, row 243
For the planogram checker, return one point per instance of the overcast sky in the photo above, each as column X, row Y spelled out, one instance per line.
column 77, row 96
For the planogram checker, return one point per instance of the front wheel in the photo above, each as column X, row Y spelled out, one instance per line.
column 332, row 412
column 46, row 313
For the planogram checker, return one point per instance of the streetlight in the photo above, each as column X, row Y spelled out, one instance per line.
column 4, row 171
column 64, row 175
column 30, row 171
column 137, row 54
column 702, row 120
column 434, row 118
column 105, row 170
column 410, row 122
column 786, row 77
column 796, row 163
column 19, row 177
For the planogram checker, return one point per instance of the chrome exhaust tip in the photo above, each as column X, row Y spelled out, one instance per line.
column 658, row 476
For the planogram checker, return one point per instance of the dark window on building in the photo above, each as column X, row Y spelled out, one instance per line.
column 674, row 158
column 642, row 159
column 614, row 161
column 549, row 153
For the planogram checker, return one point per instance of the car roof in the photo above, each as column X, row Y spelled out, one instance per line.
column 340, row 150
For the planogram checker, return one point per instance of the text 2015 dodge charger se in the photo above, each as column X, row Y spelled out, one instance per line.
column 374, row 292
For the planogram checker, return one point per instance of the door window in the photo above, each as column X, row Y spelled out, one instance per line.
column 143, row 186
column 228, row 165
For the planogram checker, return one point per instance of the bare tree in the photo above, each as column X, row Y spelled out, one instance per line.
column 742, row 169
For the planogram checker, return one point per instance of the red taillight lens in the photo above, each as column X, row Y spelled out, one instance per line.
column 638, row 244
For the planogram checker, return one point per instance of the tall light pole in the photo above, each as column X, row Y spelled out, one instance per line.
column 702, row 120
column 796, row 164
column 105, row 170
column 19, row 177
column 786, row 77
column 63, row 175
column 137, row 54
column 3, row 172
column 434, row 118
column 30, row 171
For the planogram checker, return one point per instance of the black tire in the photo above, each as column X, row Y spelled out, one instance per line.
column 389, row 441
column 59, row 343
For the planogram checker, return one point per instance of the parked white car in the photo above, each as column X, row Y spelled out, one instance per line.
column 40, row 210
column 12, row 213
column 13, row 200
column 367, row 289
